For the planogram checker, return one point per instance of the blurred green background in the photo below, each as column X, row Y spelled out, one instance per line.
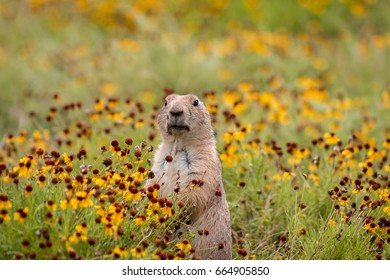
column 84, row 49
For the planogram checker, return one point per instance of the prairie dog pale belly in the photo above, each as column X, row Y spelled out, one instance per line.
column 172, row 174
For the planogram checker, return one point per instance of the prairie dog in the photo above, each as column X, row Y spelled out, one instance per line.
column 194, row 173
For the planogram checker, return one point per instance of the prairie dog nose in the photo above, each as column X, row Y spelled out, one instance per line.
column 176, row 112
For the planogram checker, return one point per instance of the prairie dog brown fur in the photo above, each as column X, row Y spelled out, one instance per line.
column 188, row 137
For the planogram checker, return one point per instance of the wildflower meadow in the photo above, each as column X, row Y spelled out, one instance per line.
column 299, row 96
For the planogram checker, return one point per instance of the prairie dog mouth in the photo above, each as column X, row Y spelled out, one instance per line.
column 176, row 127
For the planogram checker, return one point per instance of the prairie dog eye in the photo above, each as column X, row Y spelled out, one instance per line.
column 166, row 103
column 196, row 102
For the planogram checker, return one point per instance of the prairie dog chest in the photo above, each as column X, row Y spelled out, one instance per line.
column 172, row 172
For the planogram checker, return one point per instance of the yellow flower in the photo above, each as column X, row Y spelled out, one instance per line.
column 4, row 202
column 115, row 150
column 315, row 94
column 239, row 108
column 277, row 177
column 298, row 155
column 108, row 88
column 167, row 210
column 231, row 97
column 25, row 166
column 10, row 139
column 156, row 256
column 260, row 125
column 331, row 138
column 313, row 167
column 4, row 216
column 140, row 220
column 138, row 252
column 99, row 181
column 117, row 117
column 64, row 204
column 184, row 246
column 22, row 137
column 153, row 213
column 316, row 7
column 284, row 176
column 69, row 249
column 348, row 152
column 387, row 210
column 374, row 154
column 384, row 195
column 21, row 214
column 99, row 104
column 42, row 180
column 139, row 175
column 371, row 226
column 51, row 205
column 130, row 44
column 278, row 114
column 133, row 195
column 229, row 160
column 82, row 228
column 79, row 182
column 113, row 103
column 301, row 231
column 94, row 116
column 67, row 159
column 110, row 229
column 84, row 199
column 77, row 237
column 343, row 200
column 100, row 211
column 116, row 213
column 3, row 166
column 228, row 137
column 154, row 193
column 119, row 252
column 117, row 177
column 367, row 167
column 288, row 175
column 239, row 135
column 358, row 9
column 245, row 86
column 314, row 177
column 139, row 123
column 73, row 203
column 386, row 144
column 386, row 99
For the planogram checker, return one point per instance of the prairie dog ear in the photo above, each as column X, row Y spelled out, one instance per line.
column 169, row 98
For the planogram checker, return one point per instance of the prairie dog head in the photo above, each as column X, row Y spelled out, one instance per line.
column 183, row 115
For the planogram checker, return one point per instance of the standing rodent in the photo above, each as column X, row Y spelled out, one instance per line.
column 187, row 163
